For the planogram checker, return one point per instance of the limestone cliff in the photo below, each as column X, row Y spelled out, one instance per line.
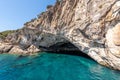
column 93, row 26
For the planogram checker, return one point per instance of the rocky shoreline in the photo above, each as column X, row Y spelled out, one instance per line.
column 92, row 26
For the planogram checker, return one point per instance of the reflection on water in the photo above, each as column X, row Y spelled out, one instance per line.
column 48, row 66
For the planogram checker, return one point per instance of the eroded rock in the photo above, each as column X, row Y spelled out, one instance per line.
column 116, row 35
column 93, row 26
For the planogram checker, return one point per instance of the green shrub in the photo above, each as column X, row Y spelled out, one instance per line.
column 5, row 33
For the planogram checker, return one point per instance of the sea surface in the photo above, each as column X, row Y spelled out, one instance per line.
column 48, row 66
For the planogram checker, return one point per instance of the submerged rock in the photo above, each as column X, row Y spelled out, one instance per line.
column 93, row 26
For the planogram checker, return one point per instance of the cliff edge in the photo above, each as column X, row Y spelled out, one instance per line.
column 93, row 26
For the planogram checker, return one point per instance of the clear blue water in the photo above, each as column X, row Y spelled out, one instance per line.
column 53, row 67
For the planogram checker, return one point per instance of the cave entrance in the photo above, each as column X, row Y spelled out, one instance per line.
column 66, row 48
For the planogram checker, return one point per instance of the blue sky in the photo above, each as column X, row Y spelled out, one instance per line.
column 14, row 13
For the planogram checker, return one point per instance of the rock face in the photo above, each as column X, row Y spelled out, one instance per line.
column 93, row 26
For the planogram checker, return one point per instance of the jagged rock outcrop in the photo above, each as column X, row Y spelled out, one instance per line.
column 93, row 26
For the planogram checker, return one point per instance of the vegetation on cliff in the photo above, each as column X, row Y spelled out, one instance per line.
column 5, row 33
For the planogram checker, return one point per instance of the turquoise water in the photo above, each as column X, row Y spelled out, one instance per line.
column 48, row 66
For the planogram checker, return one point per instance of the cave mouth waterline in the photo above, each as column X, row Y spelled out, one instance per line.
column 74, row 53
column 68, row 49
